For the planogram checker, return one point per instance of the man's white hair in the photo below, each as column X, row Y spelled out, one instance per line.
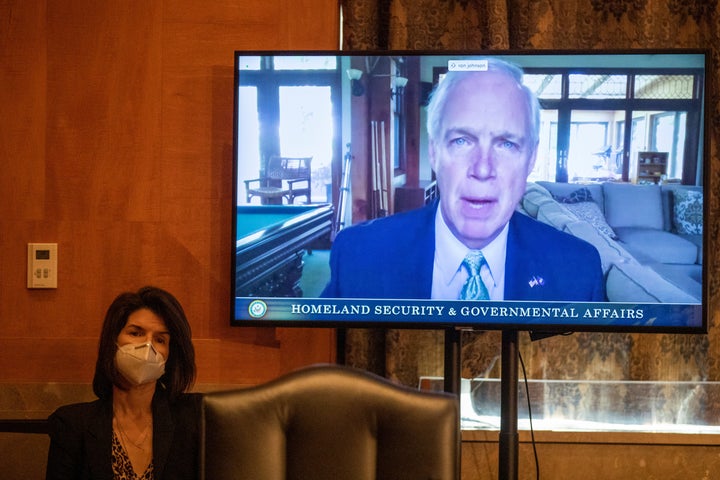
column 439, row 97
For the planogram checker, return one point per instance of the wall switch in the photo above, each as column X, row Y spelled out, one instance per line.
column 42, row 265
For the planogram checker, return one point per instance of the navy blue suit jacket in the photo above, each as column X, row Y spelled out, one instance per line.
column 392, row 257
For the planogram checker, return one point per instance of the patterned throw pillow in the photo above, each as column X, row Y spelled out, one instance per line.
column 688, row 212
column 581, row 204
column 590, row 212
column 579, row 195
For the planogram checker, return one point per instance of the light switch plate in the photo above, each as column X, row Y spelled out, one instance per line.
column 42, row 265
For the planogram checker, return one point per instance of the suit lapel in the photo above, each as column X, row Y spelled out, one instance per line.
column 163, row 430
column 420, row 251
column 99, row 441
column 520, row 263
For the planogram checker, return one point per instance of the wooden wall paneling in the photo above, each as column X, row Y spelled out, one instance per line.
column 104, row 64
column 117, row 117
column 23, row 101
column 199, row 86
column 23, row 105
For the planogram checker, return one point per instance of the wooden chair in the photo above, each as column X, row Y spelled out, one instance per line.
column 284, row 177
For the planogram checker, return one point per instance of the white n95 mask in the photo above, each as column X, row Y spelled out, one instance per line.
column 139, row 363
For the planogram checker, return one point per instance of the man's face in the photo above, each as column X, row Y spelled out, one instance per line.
column 482, row 156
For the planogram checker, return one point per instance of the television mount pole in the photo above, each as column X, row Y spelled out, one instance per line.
column 508, row 442
column 508, row 438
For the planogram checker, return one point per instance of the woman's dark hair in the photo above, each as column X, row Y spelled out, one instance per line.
column 180, row 366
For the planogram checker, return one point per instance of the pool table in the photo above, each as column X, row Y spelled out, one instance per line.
column 271, row 241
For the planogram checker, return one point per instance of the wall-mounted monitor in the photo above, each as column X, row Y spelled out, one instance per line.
column 574, row 182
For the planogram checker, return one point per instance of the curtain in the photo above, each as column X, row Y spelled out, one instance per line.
column 404, row 355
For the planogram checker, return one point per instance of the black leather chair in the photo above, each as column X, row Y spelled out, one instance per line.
column 330, row 423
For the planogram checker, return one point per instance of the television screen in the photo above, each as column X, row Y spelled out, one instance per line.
column 547, row 191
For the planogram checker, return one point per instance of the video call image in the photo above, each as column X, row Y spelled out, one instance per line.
column 561, row 189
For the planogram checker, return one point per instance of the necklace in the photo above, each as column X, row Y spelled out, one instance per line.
column 140, row 442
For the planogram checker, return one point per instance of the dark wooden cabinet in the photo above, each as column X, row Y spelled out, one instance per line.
column 409, row 198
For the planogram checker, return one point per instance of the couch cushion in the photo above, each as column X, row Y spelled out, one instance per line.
column 688, row 212
column 658, row 245
column 555, row 215
column 628, row 205
column 569, row 190
column 575, row 199
column 686, row 277
column 632, row 282
column 696, row 240
column 610, row 251
column 535, row 196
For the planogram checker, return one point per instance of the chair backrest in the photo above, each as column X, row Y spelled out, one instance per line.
column 288, row 168
column 330, row 423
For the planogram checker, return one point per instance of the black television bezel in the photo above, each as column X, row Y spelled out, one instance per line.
column 550, row 328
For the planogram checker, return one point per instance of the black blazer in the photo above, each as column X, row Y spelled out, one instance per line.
column 81, row 439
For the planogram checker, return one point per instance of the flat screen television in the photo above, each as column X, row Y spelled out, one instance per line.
column 341, row 212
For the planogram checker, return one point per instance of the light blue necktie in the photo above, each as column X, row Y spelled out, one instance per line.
column 474, row 288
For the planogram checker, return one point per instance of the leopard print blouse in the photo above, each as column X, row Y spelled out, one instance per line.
column 122, row 468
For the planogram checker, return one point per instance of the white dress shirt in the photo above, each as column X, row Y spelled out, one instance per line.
column 448, row 273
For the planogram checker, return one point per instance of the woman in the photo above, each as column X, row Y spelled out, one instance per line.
column 144, row 425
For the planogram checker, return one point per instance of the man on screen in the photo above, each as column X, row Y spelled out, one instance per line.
column 483, row 129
